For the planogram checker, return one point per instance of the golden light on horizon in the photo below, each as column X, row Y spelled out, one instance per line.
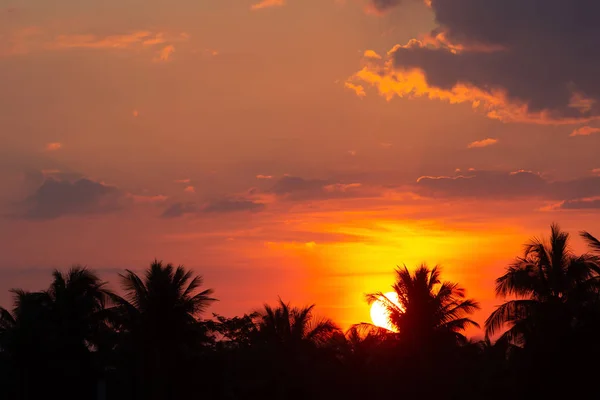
column 380, row 314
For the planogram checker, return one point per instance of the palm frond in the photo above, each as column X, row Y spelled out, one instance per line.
column 591, row 241
column 6, row 318
column 364, row 329
column 460, row 324
column 134, row 287
column 519, row 279
column 434, row 277
column 509, row 313
column 320, row 330
column 194, row 284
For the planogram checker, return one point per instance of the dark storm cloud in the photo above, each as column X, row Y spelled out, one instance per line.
column 228, row 205
column 384, row 5
column 541, row 52
column 56, row 198
column 491, row 184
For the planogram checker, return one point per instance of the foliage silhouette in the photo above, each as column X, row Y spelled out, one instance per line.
column 550, row 284
column 553, row 314
column 51, row 333
column 78, row 340
column 292, row 326
column 429, row 308
column 157, row 321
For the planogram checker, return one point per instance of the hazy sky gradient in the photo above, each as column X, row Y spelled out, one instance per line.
column 262, row 146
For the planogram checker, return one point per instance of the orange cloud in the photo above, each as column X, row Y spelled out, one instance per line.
column 268, row 4
column 189, row 189
column 33, row 39
column 371, row 54
column 596, row 171
column 482, row 143
column 264, row 177
column 584, row 131
column 391, row 81
column 165, row 54
column 341, row 187
column 358, row 89
column 147, row 199
column 182, row 181
column 53, row 146
column 107, row 42
column 211, row 52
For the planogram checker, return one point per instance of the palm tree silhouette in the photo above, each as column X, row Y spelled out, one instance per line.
column 78, row 301
column 292, row 325
column 429, row 308
column 592, row 242
column 157, row 319
column 291, row 344
column 550, row 284
column 23, row 341
column 51, row 334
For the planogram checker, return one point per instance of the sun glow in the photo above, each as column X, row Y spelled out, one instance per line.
column 380, row 314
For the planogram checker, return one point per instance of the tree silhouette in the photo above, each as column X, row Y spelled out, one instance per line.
column 592, row 242
column 23, row 341
column 291, row 346
column 292, row 325
column 64, row 341
column 429, row 308
column 429, row 324
column 552, row 316
column 50, row 335
column 157, row 319
column 550, row 284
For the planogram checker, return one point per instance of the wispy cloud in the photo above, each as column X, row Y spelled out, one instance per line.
column 164, row 54
column 264, row 177
column 144, row 38
column 159, row 198
column 482, row 143
column 584, row 131
column 35, row 39
column 267, row 4
column 224, row 206
column 341, row 187
column 182, row 180
column 53, row 146
column 358, row 89
column 190, row 189
column 371, row 54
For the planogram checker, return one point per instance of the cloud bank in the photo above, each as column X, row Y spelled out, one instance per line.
column 221, row 206
column 508, row 185
column 56, row 198
column 517, row 60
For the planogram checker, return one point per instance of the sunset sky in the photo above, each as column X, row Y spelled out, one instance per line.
column 300, row 148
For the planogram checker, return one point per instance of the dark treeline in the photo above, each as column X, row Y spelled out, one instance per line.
column 80, row 340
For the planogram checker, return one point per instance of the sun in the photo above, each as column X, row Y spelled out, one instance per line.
column 380, row 315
